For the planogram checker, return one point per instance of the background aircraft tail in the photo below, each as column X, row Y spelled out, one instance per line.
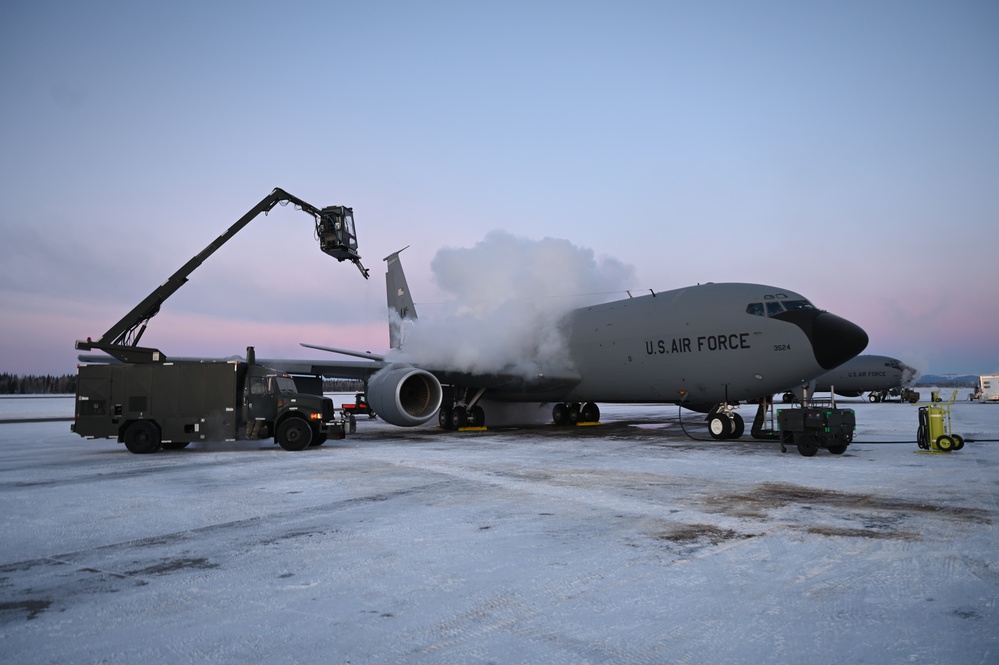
column 400, row 302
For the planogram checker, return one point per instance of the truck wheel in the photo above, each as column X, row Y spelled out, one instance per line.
column 142, row 437
column 294, row 434
column 807, row 445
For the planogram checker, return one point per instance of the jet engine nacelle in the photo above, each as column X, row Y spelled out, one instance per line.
column 404, row 395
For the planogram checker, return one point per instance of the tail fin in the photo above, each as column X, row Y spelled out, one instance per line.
column 400, row 302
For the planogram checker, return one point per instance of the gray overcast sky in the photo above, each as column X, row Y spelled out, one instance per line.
column 845, row 150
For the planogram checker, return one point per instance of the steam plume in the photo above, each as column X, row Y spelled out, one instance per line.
column 509, row 294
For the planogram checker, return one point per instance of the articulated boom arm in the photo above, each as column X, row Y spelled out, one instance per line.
column 334, row 230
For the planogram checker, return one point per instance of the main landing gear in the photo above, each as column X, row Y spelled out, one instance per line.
column 460, row 409
column 724, row 423
column 460, row 416
column 572, row 413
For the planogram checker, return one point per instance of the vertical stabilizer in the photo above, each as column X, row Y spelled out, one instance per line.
column 400, row 302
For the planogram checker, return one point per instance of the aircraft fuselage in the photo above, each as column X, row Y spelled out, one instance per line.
column 699, row 345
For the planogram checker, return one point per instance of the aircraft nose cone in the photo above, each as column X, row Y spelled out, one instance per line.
column 835, row 340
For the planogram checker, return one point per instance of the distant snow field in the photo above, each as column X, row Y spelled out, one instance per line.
column 627, row 542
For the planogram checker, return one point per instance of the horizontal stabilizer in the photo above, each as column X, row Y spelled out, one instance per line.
column 344, row 352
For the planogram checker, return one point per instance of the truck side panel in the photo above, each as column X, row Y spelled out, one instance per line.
column 93, row 403
column 187, row 401
column 197, row 401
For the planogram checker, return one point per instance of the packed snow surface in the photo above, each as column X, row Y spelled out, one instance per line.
column 626, row 542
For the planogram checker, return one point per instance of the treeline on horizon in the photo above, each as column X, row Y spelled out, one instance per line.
column 31, row 384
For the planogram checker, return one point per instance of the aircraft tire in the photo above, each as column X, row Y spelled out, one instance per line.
column 807, row 445
column 738, row 426
column 294, row 434
column 142, row 437
column 477, row 416
column 459, row 417
column 560, row 414
column 444, row 417
column 590, row 413
column 720, row 426
column 573, row 414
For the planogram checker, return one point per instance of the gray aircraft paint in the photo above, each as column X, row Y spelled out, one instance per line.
column 695, row 346
column 866, row 373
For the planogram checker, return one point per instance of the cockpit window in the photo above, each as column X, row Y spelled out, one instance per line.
column 775, row 307
column 798, row 304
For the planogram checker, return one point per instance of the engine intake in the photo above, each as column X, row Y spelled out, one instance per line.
column 404, row 395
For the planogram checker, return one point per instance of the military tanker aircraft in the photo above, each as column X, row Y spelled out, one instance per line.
column 705, row 347
column 880, row 376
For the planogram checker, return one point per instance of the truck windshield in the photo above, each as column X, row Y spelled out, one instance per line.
column 285, row 385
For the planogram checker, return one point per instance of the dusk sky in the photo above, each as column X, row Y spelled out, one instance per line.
column 848, row 151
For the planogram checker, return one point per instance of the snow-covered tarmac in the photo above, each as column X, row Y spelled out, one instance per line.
column 624, row 543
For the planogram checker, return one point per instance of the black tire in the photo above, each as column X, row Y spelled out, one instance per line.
column 958, row 441
column 945, row 443
column 873, row 398
column 838, row 448
column 738, row 426
column 294, row 434
column 476, row 416
column 318, row 439
column 573, row 413
column 720, row 426
column 560, row 413
column 444, row 417
column 142, row 437
column 590, row 413
column 459, row 417
column 807, row 445
column 175, row 445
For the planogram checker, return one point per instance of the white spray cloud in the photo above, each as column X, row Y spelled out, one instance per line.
column 509, row 294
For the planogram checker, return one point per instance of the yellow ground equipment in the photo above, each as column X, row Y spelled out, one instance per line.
column 934, row 433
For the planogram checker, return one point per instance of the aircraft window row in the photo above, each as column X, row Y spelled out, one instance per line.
column 775, row 307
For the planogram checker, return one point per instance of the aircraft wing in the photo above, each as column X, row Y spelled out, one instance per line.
column 345, row 352
column 505, row 381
